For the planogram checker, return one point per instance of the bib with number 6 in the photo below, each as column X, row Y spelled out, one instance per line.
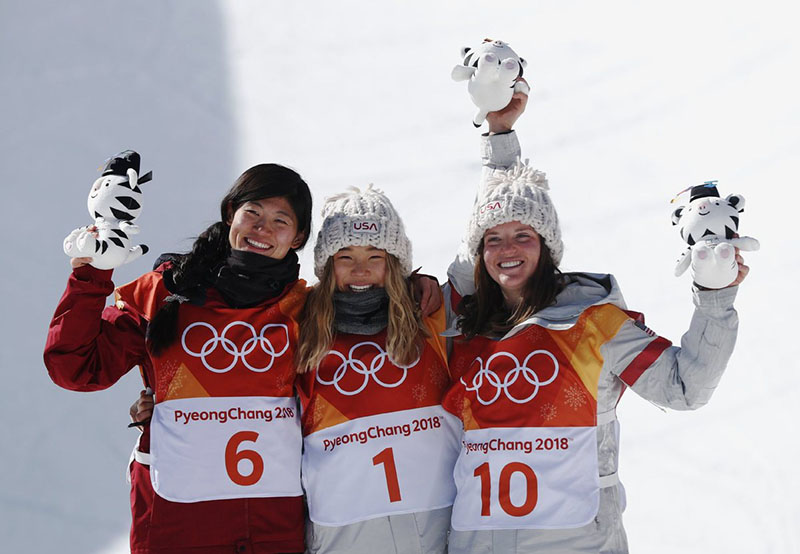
column 225, row 423
column 218, row 448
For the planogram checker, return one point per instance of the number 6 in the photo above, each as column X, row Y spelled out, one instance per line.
column 234, row 456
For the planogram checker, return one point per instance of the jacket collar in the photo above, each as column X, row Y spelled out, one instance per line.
column 582, row 291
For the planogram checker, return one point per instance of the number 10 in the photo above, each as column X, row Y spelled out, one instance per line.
column 504, row 496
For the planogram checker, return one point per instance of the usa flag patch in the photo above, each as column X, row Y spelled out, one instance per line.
column 645, row 328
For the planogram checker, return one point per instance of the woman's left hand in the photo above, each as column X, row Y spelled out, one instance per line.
column 503, row 120
column 743, row 270
column 426, row 292
column 141, row 411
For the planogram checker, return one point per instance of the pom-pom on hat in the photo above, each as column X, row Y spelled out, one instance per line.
column 361, row 218
column 518, row 193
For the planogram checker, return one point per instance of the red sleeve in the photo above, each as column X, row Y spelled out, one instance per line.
column 89, row 346
column 144, row 296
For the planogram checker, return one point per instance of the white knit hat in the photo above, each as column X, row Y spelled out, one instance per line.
column 361, row 218
column 518, row 193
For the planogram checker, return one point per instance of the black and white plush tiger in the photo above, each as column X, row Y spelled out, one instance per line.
column 115, row 201
column 709, row 225
column 492, row 70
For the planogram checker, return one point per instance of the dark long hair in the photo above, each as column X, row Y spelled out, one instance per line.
column 188, row 275
column 485, row 312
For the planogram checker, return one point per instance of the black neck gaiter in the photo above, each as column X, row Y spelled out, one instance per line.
column 361, row 313
column 247, row 279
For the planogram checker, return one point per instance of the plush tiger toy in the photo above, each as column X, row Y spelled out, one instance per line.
column 492, row 70
column 114, row 203
column 709, row 225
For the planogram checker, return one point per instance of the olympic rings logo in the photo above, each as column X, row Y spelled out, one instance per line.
column 220, row 339
column 511, row 377
column 358, row 365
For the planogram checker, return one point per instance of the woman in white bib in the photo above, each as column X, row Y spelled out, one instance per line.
column 539, row 364
column 379, row 449
column 213, row 331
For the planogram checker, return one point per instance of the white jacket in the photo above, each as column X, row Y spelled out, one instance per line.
column 682, row 378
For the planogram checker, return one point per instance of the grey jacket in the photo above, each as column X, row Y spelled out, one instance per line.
column 418, row 533
column 682, row 378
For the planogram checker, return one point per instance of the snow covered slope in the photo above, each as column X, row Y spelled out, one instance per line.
column 630, row 103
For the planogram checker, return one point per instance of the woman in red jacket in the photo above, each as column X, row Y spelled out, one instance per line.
column 213, row 332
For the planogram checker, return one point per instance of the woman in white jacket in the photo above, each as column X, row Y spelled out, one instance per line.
column 540, row 362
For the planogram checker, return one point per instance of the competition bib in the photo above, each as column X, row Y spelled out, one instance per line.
column 394, row 463
column 225, row 447
column 526, row 478
column 528, row 403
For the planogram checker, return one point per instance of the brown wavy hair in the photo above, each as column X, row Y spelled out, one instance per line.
column 404, row 333
column 485, row 313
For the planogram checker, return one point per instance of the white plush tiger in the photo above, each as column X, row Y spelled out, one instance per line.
column 114, row 203
column 709, row 225
column 492, row 70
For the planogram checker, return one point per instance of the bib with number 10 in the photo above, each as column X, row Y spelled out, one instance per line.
column 527, row 478
column 528, row 404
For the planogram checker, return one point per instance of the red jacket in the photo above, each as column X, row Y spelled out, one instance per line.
column 89, row 347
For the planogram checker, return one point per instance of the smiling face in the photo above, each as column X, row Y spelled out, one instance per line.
column 267, row 227
column 359, row 268
column 511, row 253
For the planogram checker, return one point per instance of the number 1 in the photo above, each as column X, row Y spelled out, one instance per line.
column 386, row 457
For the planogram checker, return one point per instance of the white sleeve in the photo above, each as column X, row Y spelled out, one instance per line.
column 498, row 152
column 685, row 377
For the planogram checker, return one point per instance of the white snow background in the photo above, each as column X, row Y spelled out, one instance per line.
column 631, row 102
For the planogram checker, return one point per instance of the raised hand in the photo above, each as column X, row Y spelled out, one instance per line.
column 503, row 120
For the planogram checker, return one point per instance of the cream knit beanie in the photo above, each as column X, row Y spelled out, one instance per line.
column 361, row 218
column 518, row 193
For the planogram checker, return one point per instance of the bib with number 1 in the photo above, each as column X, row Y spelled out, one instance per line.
column 377, row 441
column 528, row 404
column 225, row 423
